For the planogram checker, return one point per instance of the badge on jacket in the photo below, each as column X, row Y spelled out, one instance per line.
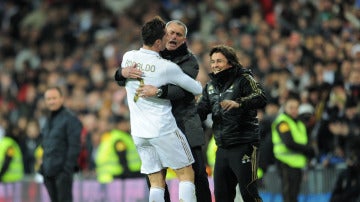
column 120, row 146
column 10, row 152
column 284, row 127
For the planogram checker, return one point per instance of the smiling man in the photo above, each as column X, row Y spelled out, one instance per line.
column 233, row 97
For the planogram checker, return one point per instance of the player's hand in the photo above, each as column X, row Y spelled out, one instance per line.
column 229, row 104
column 131, row 72
column 147, row 91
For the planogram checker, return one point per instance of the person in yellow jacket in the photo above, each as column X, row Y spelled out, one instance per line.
column 38, row 154
column 291, row 148
column 11, row 161
column 211, row 155
column 117, row 156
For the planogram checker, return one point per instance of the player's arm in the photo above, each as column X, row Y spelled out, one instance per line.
column 171, row 91
column 177, row 77
column 130, row 72
column 174, row 76
column 174, row 92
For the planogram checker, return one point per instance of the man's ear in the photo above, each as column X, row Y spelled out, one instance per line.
column 158, row 42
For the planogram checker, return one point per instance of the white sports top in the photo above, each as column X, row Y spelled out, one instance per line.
column 152, row 117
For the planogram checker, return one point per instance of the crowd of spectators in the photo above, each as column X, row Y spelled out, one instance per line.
column 308, row 46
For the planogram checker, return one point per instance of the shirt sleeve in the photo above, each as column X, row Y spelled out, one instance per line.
column 203, row 105
column 73, row 133
column 119, row 78
column 174, row 92
column 285, row 134
column 253, row 94
column 177, row 77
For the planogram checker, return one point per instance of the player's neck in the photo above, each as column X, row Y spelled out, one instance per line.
column 152, row 48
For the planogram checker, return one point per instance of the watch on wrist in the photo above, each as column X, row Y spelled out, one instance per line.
column 159, row 92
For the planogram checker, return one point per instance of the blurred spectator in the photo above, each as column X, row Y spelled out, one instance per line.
column 306, row 115
column 331, row 143
column 347, row 185
column 85, row 161
column 18, row 132
column 32, row 141
column 11, row 160
column 292, row 148
column 266, row 155
column 117, row 156
column 348, row 125
column 353, row 84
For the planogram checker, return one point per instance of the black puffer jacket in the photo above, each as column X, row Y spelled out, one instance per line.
column 61, row 143
column 239, row 125
column 183, row 102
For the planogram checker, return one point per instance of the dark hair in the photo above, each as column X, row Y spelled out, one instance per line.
column 152, row 31
column 292, row 95
column 228, row 52
column 351, row 102
column 56, row 88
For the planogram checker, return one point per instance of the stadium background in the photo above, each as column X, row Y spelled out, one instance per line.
column 296, row 45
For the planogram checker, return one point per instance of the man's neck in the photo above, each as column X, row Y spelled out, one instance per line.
column 152, row 48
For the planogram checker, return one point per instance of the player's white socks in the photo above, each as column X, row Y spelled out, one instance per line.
column 187, row 192
column 156, row 194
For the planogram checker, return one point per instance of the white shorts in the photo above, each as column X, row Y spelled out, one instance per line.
column 169, row 151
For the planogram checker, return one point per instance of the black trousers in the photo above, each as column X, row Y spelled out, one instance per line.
column 291, row 179
column 59, row 187
column 236, row 165
column 202, row 189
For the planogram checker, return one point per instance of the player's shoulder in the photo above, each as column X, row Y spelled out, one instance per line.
column 163, row 60
column 167, row 62
column 130, row 52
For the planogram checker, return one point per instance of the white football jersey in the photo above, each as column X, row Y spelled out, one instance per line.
column 152, row 117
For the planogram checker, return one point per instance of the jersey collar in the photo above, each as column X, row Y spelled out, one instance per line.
column 147, row 51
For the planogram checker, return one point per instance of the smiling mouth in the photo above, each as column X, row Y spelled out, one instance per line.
column 217, row 70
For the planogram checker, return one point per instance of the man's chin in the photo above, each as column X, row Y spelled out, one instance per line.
column 171, row 46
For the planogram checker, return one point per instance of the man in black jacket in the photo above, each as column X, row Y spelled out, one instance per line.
column 233, row 97
column 61, row 144
column 183, row 102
